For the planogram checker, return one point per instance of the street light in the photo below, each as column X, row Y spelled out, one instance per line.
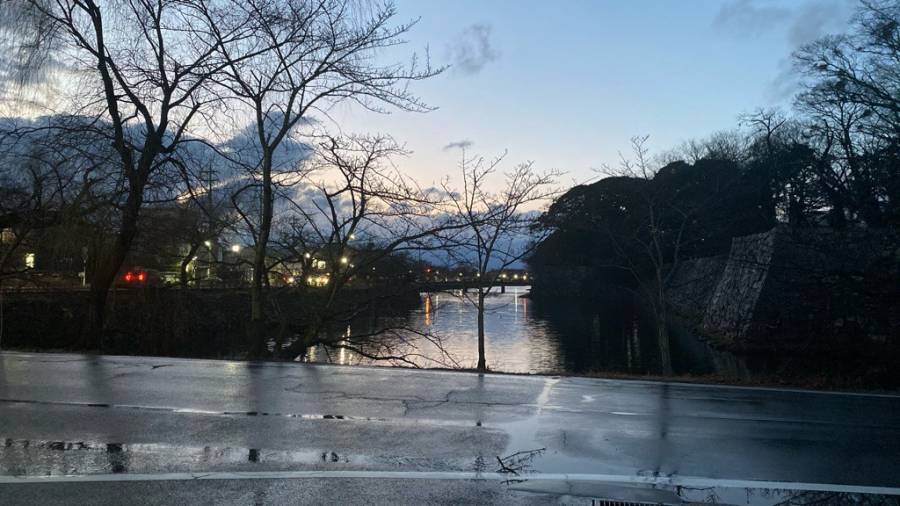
column 236, row 248
column 344, row 260
column 208, row 245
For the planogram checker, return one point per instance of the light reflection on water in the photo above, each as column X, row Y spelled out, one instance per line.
column 519, row 339
column 514, row 342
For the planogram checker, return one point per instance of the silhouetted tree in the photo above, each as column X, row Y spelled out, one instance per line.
column 322, row 53
column 497, row 223
column 852, row 104
column 633, row 230
column 150, row 64
column 359, row 216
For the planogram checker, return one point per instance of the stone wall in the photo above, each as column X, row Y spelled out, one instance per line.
column 795, row 289
column 733, row 301
column 693, row 284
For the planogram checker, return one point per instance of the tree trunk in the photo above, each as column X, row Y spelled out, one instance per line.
column 659, row 305
column 108, row 268
column 257, row 310
column 482, row 363
column 662, row 333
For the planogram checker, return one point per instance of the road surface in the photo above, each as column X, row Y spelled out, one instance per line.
column 92, row 430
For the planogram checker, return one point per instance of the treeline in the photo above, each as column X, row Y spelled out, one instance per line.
column 833, row 161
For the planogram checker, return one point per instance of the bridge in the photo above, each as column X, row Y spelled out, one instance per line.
column 469, row 284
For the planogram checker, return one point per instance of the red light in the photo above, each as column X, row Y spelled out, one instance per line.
column 141, row 276
column 128, row 276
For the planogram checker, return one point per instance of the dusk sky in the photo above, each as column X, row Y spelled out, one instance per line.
column 566, row 84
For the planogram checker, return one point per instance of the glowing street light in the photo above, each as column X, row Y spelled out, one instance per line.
column 344, row 260
column 207, row 244
column 236, row 248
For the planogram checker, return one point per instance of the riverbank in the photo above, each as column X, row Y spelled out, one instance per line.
column 191, row 323
column 524, row 336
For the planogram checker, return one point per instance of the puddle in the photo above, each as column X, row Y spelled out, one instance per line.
column 302, row 416
column 26, row 457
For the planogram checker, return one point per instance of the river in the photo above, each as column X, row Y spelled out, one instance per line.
column 522, row 336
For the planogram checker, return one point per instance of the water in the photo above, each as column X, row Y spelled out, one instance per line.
column 47, row 459
column 522, row 336
column 606, row 336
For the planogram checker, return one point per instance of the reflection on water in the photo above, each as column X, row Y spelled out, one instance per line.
column 24, row 457
column 522, row 336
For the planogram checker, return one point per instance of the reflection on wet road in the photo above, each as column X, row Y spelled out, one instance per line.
column 75, row 416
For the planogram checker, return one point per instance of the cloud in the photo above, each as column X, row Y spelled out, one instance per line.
column 804, row 22
column 749, row 18
column 815, row 20
column 472, row 50
column 800, row 23
column 463, row 144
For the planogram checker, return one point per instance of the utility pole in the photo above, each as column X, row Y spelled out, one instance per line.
column 208, row 177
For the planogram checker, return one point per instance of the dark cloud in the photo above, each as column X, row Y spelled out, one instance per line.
column 463, row 144
column 472, row 50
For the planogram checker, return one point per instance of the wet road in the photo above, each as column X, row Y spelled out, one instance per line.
column 249, row 433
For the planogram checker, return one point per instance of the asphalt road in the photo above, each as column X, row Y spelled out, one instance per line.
column 77, row 429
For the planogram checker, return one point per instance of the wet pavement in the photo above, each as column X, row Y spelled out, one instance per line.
column 78, row 429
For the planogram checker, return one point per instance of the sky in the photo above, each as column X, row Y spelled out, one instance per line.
column 567, row 83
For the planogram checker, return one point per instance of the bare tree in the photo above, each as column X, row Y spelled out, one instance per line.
column 649, row 241
column 355, row 217
column 322, row 53
column 150, row 63
column 499, row 224
column 852, row 103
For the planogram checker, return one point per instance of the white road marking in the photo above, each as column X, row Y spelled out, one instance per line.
column 686, row 481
